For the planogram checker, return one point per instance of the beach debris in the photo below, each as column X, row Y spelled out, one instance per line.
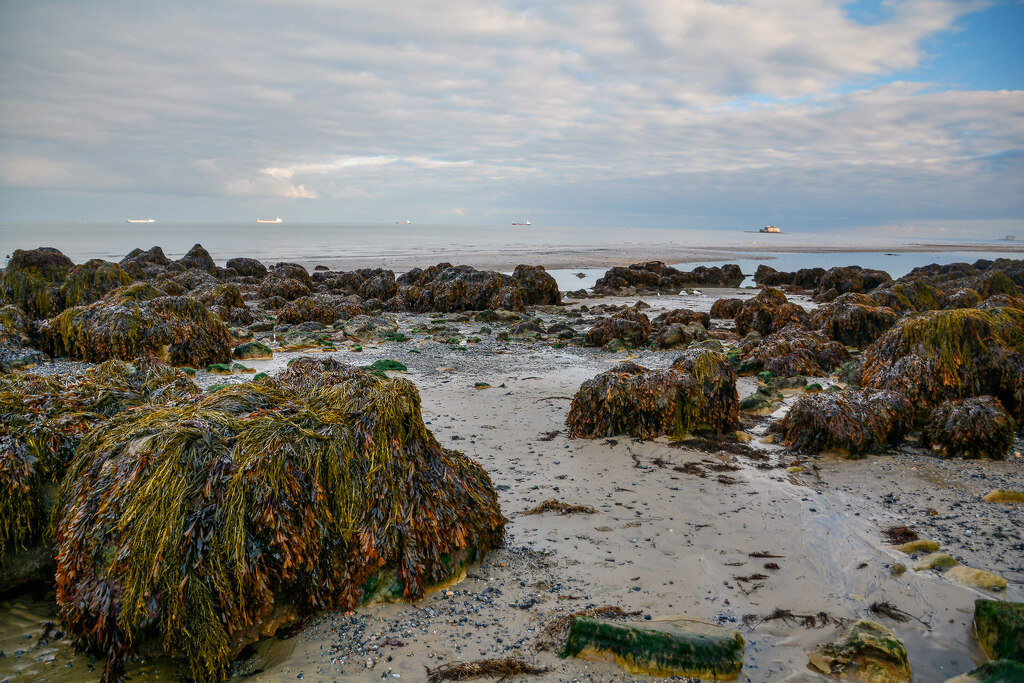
column 1004, row 496
column 850, row 422
column 552, row 505
column 321, row 489
column 698, row 391
column 976, row 427
column 942, row 355
column 792, row 351
column 868, row 650
column 890, row 610
column 664, row 646
column 655, row 276
column 502, row 669
column 853, row 320
column 556, row 631
column 998, row 671
column 763, row 554
column 137, row 321
column 549, row 436
column 818, row 620
column 900, row 534
column 1000, row 628
column 768, row 312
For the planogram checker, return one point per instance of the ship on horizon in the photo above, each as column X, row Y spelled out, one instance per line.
column 523, row 223
column 770, row 228
column 140, row 220
column 270, row 220
column 402, row 222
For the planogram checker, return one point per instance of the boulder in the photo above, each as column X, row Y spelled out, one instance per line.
column 319, row 308
column 631, row 327
column 792, row 351
column 287, row 280
column 868, row 651
column 198, row 258
column 32, row 281
column 371, row 328
column 977, row 427
column 1000, row 628
column 998, row 671
column 90, row 281
column 655, row 276
column 853, row 322
column 666, row 646
column 253, row 350
column 848, row 279
column 852, row 422
column 538, row 287
column 768, row 312
column 726, row 308
column 248, row 267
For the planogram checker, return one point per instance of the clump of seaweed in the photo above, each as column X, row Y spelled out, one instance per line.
column 977, row 427
column 502, row 668
column 130, row 322
column 552, row 505
column 556, row 631
column 852, row 321
column 793, row 351
column 941, row 355
column 207, row 524
column 697, row 392
column 852, row 422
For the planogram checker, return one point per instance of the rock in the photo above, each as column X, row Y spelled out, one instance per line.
column 977, row 427
column 655, row 276
column 1004, row 496
column 848, row 421
column 631, row 327
column 976, row 578
column 287, row 280
column 921, row 545
column 32, row 281
column 853, row 320
column 381, row 285
column 252, row 351
column 370, row 328
column 15, row 354
column 539, row 288
column 998, row 671
column 91, row 281
column 726, row 308
column 869, row 651
column 849, row 279
column 793, row 351
column 805, row 278
column 319, row 308
column 248, row 267
column 25, row 568
column 198, row 258
column 935, row 561
column 768, row 312
column 1000, row 628
column 666, row 646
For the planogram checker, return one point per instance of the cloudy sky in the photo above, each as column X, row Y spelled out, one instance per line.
column 687, row 113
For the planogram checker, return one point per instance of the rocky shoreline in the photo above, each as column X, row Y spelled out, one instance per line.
column 676, row 525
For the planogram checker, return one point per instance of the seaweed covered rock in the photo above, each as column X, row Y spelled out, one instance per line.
column 198, row 258
column 371, row 328
column 630, row 326
column 253, row 350
column 793, row 351
column 205, row 525
column 841, row 280
column 318, row 309
column 853, row 321
column 697, row 392
column 380, row 286
column 539, row 288
column 910, row 296
column 667, row 646
column 145, row 262
column 684, row 316
column 91, row 281
column 286, row 280
column 226, row 301
column 15, row 350
column 1000, row 628
column 851, row 422
column 726, row 308
column 868, row 651
column 941, row 355
column 678, row 335
column 997, row 671
column 768, row 312
column 247, row 267
column 446, row 288
column 655, row 276
column 805, row 278
column 977, row 427
column 136, row 321
column 32, row 281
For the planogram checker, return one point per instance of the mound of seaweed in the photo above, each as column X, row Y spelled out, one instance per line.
column 768, row 312
column 42, row 420
column 203, row 526
column 941, row 355
column 845, row 279
column 136, row 321
column 852, row 320
column 977, row 427
column 697, row 392
column 792, row 351
column 655, row 276
column 32, row 281
column 852, row 422
column 630, row 326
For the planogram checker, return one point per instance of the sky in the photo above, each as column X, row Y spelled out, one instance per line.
column 682, row 113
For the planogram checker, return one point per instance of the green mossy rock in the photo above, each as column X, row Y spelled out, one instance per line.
column 999, row 671
column 1000, row 628
column 921, row 545
column 32, row 280
column 219, row 369
column 669, row 646
column 869, row 650
column 252, row 351
column 91, row 281
column 935, row 561
column 1004, row 496
column 975, row 578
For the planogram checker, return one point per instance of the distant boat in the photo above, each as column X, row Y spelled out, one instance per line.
column 1010, row 238
column 526, row 223
column 403, row 222
column 270, row 220
column 140, row 220
column 770, row 228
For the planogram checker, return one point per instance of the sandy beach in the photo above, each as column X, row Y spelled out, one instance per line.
column 661, row 541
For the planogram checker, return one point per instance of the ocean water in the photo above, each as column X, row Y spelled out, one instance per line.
column 382, row 244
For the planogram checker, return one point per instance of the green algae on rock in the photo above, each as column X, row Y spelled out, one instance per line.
column 1000, row 628
column 666, row 646
column 91, row 281
column 976, row 427
column 205, row 525
column 1004, row 496
column 921, row 545
column 976, row 578
column 252, row 351
column 998, row 671
column 935, row 561
column 848, row 421
column 869, row 651
column 32, row 281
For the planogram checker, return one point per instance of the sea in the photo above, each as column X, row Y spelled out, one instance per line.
column 338, row 244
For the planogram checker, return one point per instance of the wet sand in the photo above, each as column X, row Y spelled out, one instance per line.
column 660, row 541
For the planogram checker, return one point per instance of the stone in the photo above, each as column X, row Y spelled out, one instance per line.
column 1004, row 496
column 935, row 561
column 1000, row 628
column 252, row 351
column 869, row 651
column 248, row 267
column 921, row 545
column 975, row 578
column 666, row 646
column 998, row 671
column 370, row 328
column 199, row 259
